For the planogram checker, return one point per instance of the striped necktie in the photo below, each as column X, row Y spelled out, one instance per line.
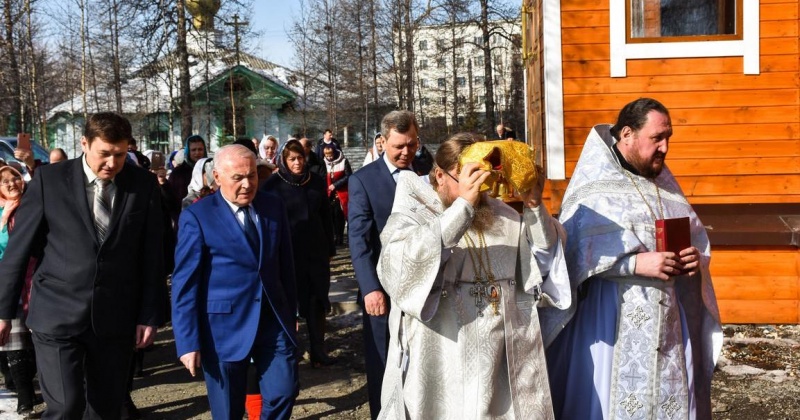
column 102, row 208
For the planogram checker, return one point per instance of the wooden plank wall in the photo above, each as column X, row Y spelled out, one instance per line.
column 736, row 137
column 757, row 284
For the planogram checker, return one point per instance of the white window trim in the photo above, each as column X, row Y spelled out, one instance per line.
column 553, row 90
column 747, row 47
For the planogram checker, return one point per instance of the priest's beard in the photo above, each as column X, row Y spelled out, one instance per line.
column 648, row 168
column 484, row 216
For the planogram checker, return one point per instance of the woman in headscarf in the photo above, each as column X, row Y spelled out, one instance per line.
column 19, row 349
column 339, row 172
column 376, row 150
column 175, row 159
column 268, row 149
column 181, row 176
column 306, row 199
column 202, row 183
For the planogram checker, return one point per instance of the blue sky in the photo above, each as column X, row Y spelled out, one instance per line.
column 272, row 18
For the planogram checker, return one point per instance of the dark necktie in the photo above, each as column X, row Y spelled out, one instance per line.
column 102, row 208
column 250, row 230
column 396, row 173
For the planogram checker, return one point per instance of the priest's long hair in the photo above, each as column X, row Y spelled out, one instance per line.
column 449, row 152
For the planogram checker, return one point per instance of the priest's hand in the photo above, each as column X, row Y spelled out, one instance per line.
column 661, row 265
column 469, row 182
column 375, row 303
column 690, row 259
column 533, row 197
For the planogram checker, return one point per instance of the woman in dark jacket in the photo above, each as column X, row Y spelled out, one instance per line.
column 306, row 198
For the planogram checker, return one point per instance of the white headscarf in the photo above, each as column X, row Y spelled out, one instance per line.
column 196, row 184
column 262, row 153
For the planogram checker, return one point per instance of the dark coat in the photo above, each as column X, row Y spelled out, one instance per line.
column 423, row 161
column 312, row 236
column 316, row 165
column 178, row 185
column 321, row 145
column 79, row 283
column 179, row 180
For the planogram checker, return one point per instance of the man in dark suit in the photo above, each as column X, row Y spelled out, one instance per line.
column 313, row 162
column 233, row 291
column 95, row 224
column 327, row 138
column 371, row 196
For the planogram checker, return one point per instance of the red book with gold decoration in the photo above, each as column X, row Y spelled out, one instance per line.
column 673, row 235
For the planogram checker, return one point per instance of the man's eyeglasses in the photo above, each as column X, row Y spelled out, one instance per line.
column 451, row 176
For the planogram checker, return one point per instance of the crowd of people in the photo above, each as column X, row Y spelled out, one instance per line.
column 471, row 308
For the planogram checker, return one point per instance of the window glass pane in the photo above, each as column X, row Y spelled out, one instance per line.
column 669, row 18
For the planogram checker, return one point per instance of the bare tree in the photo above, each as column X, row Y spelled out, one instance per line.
column 183, row 69
column 10, row 20
column 39, row 118
column 406, row 17
column 113, row 24
column 493, row 21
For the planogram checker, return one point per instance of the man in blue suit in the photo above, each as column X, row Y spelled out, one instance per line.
column 233, row 292
column 371, row 198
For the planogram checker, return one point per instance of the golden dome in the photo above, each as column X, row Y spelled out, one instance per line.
column 203, row 12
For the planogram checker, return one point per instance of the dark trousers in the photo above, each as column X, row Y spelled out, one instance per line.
column 376, row 345
column 22, row 366
column 83, row 376
column 275, row 359
column 316, row 330
column 338, row 221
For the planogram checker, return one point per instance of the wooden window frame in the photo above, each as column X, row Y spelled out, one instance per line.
column 622, row 50
column 690, row 38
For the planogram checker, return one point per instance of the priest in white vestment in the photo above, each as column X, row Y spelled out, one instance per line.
column 466, row 274
column 645, row 334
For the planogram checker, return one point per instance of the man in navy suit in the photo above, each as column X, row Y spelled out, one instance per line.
column 233, row 292
column 371, row 198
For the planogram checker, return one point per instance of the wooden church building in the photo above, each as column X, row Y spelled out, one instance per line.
column 729, row 72
column 234, row 94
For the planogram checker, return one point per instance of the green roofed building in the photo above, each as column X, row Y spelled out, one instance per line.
column 234, row 95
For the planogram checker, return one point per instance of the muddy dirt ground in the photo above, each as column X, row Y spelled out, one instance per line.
column 756, row 378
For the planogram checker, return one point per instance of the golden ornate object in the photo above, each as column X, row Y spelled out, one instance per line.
column 512, row 164
column 203, row 12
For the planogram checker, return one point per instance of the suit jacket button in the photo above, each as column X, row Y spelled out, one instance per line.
column 258, row 299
